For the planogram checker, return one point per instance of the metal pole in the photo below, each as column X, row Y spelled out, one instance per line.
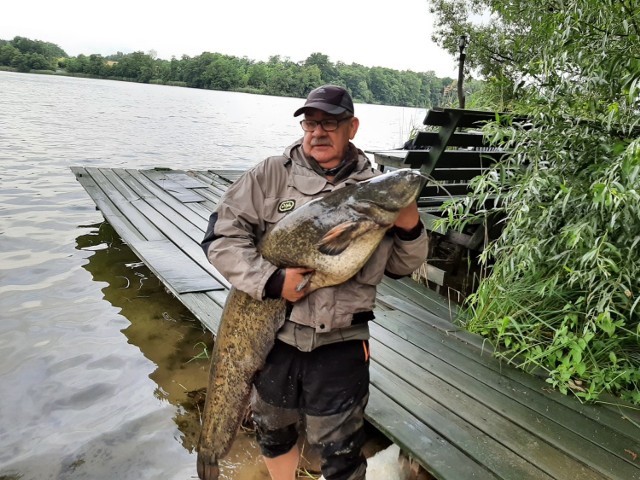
column 461, row 44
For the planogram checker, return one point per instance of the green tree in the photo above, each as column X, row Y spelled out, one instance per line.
column 257, row 76
column 281, row 78
column 8, row 55
column 26, row 45
column 385, row 86
column 96, row 66
column 432, row 89
column 328, row 72
column 34, row 54
column 77, row 64
column 224, row 72
column 564, row 292
column 21, row 62
column 355, row 78
column 306, row 79
column 37, row 61
column 136, row 66
column 195, row 68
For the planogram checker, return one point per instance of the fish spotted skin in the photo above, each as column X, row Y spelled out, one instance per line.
column 246, row 334
column 334, row 235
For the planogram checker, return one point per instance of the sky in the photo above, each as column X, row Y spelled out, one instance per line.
column 393, row 34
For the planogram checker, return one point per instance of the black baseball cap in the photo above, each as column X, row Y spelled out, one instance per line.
column 331, row 99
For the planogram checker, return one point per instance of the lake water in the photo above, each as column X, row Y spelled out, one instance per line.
column 96, row 359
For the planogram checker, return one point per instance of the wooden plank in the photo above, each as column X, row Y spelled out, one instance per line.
column 484, row 451
column 182, row 219
column 431, row 204
column 228, row 175
column 183, row 194
column 215, row 189
column 125, row 229
column 456, row 174
column 467, row 118
column 456, row 158
column 125, row 207
column 420, row 295
column 202, row 209
column 125, row 190
column 395, row 158
column 429, row 220
column 174, row 218
column 449, row 159
column 188, row 240
column 124, row 175
column 622, row 419
column 437, row 455
column 184, row 179
column 174, row 267
column 507, row 419
column 445, row 134
column 445, row 189
column 445, row 326
column 466, row 139
column 186, row 236
column 530, row 407
column 205, row 308
column 211, row 194
column 469, row 241
column 433, row 274
column 189, row 211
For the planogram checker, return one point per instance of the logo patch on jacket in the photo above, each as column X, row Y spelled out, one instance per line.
column 286, row 206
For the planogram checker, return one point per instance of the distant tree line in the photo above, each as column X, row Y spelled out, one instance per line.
column 215, row 71
column 25, row 55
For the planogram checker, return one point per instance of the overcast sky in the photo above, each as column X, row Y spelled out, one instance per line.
column 394, row 34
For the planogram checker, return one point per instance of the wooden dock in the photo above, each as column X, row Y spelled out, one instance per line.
column 436, row 390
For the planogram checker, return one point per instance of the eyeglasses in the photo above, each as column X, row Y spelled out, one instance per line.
column 329, row 125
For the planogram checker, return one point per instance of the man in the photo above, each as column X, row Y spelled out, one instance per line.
column 318, row 371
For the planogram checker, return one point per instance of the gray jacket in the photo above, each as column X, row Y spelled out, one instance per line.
column 259, row 199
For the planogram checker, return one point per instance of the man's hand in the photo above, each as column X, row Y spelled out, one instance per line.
column 293, row 277
column 408, row 217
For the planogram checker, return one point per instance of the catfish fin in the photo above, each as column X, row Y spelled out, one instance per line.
column 336, row 240
column 305, row 281
column 207, row 467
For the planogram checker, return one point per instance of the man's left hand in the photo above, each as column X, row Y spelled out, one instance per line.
column 408, row 217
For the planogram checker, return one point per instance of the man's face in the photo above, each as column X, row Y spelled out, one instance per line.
column 328, row 148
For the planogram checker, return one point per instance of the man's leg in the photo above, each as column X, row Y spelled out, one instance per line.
column 279, row 449
column 284, row 466
column 275, row 413
column 336, row 391
column 340, row 438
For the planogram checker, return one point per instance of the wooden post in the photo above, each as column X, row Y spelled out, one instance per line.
column 461, row 44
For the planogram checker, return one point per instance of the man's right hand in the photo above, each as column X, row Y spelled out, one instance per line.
column 293, row 277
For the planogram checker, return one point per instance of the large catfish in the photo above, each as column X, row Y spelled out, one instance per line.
column 335, row 236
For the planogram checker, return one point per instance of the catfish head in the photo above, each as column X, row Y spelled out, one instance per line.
column 387, row 194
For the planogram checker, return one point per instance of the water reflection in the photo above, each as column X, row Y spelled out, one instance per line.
column 170, row 336
column 161, row 327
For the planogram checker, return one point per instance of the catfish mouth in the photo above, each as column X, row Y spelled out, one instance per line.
column 395, row 208
column 411, row 180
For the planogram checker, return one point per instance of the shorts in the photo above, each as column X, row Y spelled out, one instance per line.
column 327, row 389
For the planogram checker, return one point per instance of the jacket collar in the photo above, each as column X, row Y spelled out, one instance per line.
column 306, row 180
